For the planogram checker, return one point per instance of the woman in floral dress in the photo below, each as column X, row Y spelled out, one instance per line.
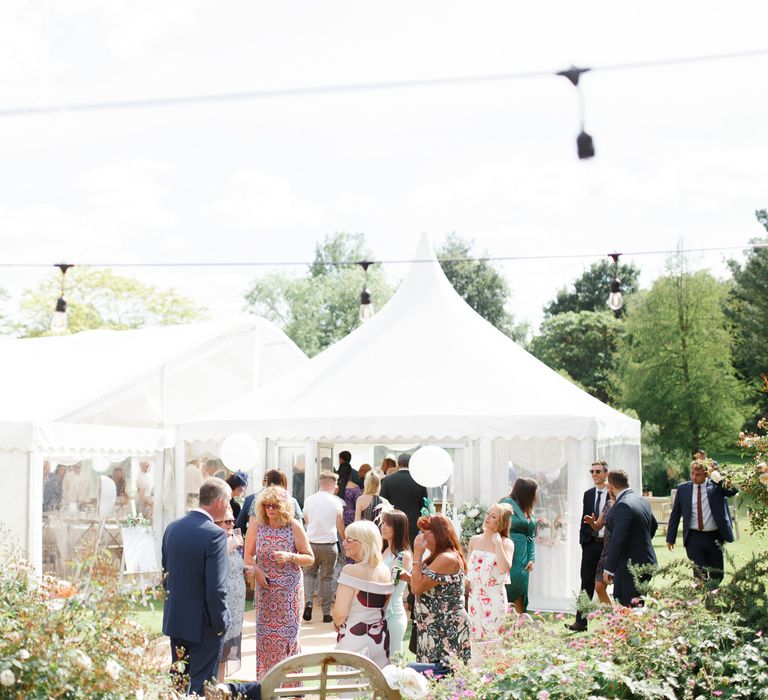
column 490, row 558
column 348, row 491
column 235, row 598
column 601, row 587
column 521, row 532
column 276, row 547
column 438, row 582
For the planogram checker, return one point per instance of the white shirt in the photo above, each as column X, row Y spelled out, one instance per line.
column 204, row 512
column 709, row 521
column 603, row 494
column 321, row 510
column 77, row 488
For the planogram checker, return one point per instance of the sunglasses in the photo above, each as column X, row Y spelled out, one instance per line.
column 349, row 539
column 271, row 505
column 225, row 522
column 597, row 471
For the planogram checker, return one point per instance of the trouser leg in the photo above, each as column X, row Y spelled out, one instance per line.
column 310, row 578
column 326, row 554
column 590, row 556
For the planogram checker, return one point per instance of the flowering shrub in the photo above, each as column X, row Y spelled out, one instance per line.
column 59, row 641
column 470, row 517
column 135, row 520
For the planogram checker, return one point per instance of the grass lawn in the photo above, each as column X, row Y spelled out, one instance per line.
column 150, row 616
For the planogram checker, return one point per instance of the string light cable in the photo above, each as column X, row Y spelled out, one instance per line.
column 391, row 261
column 309, row 91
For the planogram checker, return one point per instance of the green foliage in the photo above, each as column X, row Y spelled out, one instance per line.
column 584, row 345
column 480, row 284
column 663, row 469
column 61, row 642
column 470, row 517
column 675, row 362
column 317, row 310
column 747, row 311
column 590, row 291
column 98, row 298
column 687, row 642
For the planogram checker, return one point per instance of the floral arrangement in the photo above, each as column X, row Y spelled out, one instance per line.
column 135, row 520
column 62, row 641
column 470, row 517
column 411, row 684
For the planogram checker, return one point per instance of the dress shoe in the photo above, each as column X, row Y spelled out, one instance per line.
column 327, row 618
column 307, row 613
column 577, row 627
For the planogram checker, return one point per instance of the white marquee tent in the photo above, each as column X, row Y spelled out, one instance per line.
column 119, row 394
column 427, row 369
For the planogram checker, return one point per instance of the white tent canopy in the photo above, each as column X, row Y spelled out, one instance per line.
column 426, row 366
column 118, row 394
column 427, row 369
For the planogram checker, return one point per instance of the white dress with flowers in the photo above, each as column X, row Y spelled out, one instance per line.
column 487, row 604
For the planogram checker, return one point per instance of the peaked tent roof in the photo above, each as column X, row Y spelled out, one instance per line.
column 426, row 366
column 150, row 377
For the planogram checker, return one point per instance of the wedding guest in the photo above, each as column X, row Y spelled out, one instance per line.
column 490, row 559
column 119, row 478
column 402, row 491
column 345, row 458
column 364, row 469
column 601, row 588
column 237, row 482
column 276, row 547
column 362, row 595
column 145, row 484
column 77, row 486
column 398, row 557
column 325, row 524
column 522, row 531
column 53, row 489
column 369, row 504
column 388, row 464
column 348, row 491
column 235, row 597
column 438, row 581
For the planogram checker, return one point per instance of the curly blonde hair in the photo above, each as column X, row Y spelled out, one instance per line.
column 274, row 494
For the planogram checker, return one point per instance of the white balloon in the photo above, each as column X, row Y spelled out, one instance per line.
column 431, row 466
column 107, row 495
column 239, row 451
column 100, row 464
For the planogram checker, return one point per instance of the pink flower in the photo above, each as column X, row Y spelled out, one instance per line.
column 559, row 616
column 717, row 692
column 543, row 695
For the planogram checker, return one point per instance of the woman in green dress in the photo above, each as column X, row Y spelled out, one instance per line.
column 522, row 531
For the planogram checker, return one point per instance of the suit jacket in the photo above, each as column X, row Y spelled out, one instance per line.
column 245, row 512
column 632, row 527
column 354, row 475
column 681, row 509
column 402, row 491
column 586, row 533
column 195, row 565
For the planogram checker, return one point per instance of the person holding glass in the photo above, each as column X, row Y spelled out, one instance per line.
column 276, row 547
column 235, row 595
column 398, row 557
column 438, row 581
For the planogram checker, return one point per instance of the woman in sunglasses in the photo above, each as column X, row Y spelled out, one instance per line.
column 276, row 546
column 235, row 597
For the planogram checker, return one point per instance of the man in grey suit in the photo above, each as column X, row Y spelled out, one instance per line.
column 195, row 614
column 632, row 526
column 702, row 505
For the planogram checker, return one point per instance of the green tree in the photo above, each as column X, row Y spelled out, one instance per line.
column 747, row 311
column 480, row 284
column 590, row 291
column 675, row 361
column 98, row 298
column 584, row 345
column 317, row 310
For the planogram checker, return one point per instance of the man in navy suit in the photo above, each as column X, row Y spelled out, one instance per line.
column 703, row 507
column 591, row 541
column 195, row 614
column 632, row 526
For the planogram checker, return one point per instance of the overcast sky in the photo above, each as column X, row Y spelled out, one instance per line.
column 682, row 151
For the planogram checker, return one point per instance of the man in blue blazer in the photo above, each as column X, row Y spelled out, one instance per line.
column 195, row 614
column 702, row 505
column 632, row 526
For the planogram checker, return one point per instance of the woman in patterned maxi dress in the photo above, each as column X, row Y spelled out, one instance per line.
column 277, row 547
column 490, row 558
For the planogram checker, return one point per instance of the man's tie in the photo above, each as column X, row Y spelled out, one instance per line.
column 597, row 505
column 699, row 511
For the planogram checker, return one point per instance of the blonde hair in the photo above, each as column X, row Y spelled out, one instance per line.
column 505, row 518
column 369, row 537
column 372, row 483
column 274, row 494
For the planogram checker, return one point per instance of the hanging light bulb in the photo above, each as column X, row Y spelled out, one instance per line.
column 59, row 318
column 585, row 147
column 615, row 300
column 366, row 305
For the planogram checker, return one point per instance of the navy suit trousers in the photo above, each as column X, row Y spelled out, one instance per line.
column 705, row 550
column 201, row 660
